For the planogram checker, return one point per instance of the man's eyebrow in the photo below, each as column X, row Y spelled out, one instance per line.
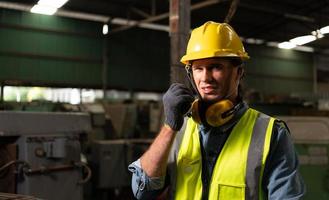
column 214, row 64
column 208, row 65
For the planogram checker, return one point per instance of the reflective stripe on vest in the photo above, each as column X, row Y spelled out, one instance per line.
column 238, row 170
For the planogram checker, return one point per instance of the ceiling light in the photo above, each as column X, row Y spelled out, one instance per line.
column 46, row 10
column 303, row 39
column 250, row 41
column 254, row 41
column 317, row 34
column 105, row 29
column 324, row 30
column 272, row 44
column 286, row 45
column 304, row 48
column 52, row 3
column 259, row 41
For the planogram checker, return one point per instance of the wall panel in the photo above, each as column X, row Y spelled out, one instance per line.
column 49, row 50
column 277, row 71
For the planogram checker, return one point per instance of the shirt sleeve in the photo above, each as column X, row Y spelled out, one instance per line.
column 281, row 177
column 143, row 186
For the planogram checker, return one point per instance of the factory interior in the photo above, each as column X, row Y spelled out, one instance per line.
column 82, row 86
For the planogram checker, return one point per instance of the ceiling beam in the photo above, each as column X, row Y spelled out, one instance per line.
column 276, row 12
column 166, row 15
column 140, row 12
column 303, row 20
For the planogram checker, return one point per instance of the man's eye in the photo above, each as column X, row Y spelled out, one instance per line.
column 197, row 69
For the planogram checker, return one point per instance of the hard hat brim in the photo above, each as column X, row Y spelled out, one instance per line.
column 207, row 54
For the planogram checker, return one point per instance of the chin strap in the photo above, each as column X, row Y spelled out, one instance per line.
column 189, row 73
column 188, row 68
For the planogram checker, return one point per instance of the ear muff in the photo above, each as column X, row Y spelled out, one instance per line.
column 216, row 115
column 195, row 111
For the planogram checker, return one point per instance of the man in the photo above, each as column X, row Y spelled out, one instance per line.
column 225, row 150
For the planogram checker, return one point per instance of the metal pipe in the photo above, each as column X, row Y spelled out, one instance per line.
column 125, row 22
column 46, row 170
column 83, row 16
column 139, row 12
column 63, row 167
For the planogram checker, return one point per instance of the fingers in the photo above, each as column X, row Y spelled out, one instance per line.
column 185, row 98
column 177, row 101
column 184, row 107
column 180, row 89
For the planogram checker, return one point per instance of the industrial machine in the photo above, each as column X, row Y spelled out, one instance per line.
column 40, row 154
column 110, row 160
column 311, row 139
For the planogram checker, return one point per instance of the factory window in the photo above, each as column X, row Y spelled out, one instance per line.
column 65, row 95
column 73, row 95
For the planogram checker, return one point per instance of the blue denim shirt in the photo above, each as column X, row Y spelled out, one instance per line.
column 281, row 179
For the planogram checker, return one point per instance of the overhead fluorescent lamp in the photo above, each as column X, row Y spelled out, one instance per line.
column 272, row 44
column 105, row 29
column 317, row 34
column 46, row 10
column 324, row 30
column 286, row 45
column 52, row 3
column 304, row 48
column 259, row 41
column 303, row 39
column 254, row 41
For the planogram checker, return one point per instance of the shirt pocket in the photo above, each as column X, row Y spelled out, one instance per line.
column 229, row 192
column 189, row 166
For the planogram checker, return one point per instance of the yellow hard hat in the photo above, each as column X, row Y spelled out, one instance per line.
column 214, row 40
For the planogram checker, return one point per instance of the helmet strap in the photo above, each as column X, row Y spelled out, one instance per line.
column 188, row 68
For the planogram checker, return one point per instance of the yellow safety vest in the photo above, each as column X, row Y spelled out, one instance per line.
column 238, row 170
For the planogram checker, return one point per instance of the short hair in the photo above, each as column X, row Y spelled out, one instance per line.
column 236, row 61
